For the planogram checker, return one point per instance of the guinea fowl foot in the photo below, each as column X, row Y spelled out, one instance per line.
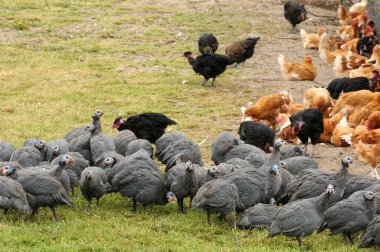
column 299, row 241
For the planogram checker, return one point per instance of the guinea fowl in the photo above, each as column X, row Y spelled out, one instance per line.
column 309, row 183
column 6, row 150
column 300, row 218
column 93, row 184
column 140, row 178
column 77, row 166
column 138, row 144
column 239, row 51
column 100, row 143
column 116, row 157
column 257, row 134
column 305, row 124
column 81, row 143
column 259, row 216
column 207, row 43
column 12, row 196
column 167, row 138
column 183, row 181
column 292, row 151
column 60, row 174
column 223, row 143
column 29, row 155
column 295, row 13
column 357, row 183
column 122, row 139
column 217, row 196
column 56, row 148
column 250, row 153
column 360, row 194
column 41, row 189
column 149, row 126
column 349, row 216
column 371, row 236
column 208, row 65
column 296, row 164
column 182, row 150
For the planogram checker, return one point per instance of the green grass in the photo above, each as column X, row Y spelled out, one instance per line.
column 59, row 64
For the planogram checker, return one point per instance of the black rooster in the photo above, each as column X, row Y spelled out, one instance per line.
column 208, row 65
column 149, row 126
column 207, row 43
column 307, row 123
column 295, row 13
column 240, row 51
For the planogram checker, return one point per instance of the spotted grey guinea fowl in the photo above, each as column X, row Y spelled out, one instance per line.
column 6, row 150
column 122, row 139
column 12, row 196
column 350, row 215
column 254, row 155
column 93, row 184
column 138, row 144
column 56, row 148
column 207, row 43
column 73, row 133
column 42, row 190
column 223, row 143
column 150, row 126
column 30, row 155
column 299, row 163
column 371, row 236
column 300, row 218
column 308, row 183
column 217, row 196
column 81, row 143
column 59, row 173
column 77, row 166
column 163, row 142
column 259, row 216
column 116, row 157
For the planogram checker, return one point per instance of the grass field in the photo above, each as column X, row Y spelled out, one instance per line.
column 59, row 63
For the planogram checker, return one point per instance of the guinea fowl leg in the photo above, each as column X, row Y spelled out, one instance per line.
column 89, row 204
column 54, row 213
column 209, row 218
column 180, row 206
column 134, row 205
column 97, row 202
column 34, row 211
column 5, row 211
column 299, row 241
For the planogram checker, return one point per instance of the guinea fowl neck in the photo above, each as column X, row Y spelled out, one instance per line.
column 322, row 202
column 97, row 124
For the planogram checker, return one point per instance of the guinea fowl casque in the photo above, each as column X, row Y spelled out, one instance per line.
column 149, row 126
column 239, row 51
column 208, row 65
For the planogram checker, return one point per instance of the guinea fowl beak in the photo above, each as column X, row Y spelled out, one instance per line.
column 3, row 171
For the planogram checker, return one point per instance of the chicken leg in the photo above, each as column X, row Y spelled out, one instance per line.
column 374, row 174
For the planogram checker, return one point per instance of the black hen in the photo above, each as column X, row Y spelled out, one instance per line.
column 257, row 134
column 295, row 13
column 345, row 85
column 208, row 65
column 240, row 51
column 207, row 43
column 149, row 126
column 365, row 45
column 307, row 123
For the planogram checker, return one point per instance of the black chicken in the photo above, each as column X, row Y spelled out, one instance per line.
column 208, row 65
column 149, row 126
column 307, row 123
column 345, row 85
column 365, row 45
column 257, row 134
column 295, row 13
column 207, row 43
column 240, row 51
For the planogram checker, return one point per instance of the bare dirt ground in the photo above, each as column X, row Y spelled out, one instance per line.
column 267, row 75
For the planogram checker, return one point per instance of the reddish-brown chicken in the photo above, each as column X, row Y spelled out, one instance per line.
column 267, row 108
column 311, row 41
column 361, row 115
column 305, row 70
column 370, row 153
column 329, row 125
column 373, row 121
column 318, row 98
column 349, row 102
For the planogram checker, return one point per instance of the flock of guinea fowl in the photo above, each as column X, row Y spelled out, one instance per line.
column 269, row 186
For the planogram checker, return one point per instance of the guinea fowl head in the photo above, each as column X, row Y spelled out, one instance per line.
column 89, row 175
column 97, row 114
column 117, row 122
column 274, row 169
column 40, row 144
column 91, row 128
column 330, row 189
column 278, row 144
column 189, row 166
column 55, row 149
column 188, row 54
column 369, row 195
column 347, row 160
column 108, row 161
column 65, row 160
column 170, row 196
column 7, row 170
column 214, row 171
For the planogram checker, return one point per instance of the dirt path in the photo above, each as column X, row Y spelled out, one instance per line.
column 267, row 75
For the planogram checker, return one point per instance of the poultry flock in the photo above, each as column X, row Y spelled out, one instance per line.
column 250, row 174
